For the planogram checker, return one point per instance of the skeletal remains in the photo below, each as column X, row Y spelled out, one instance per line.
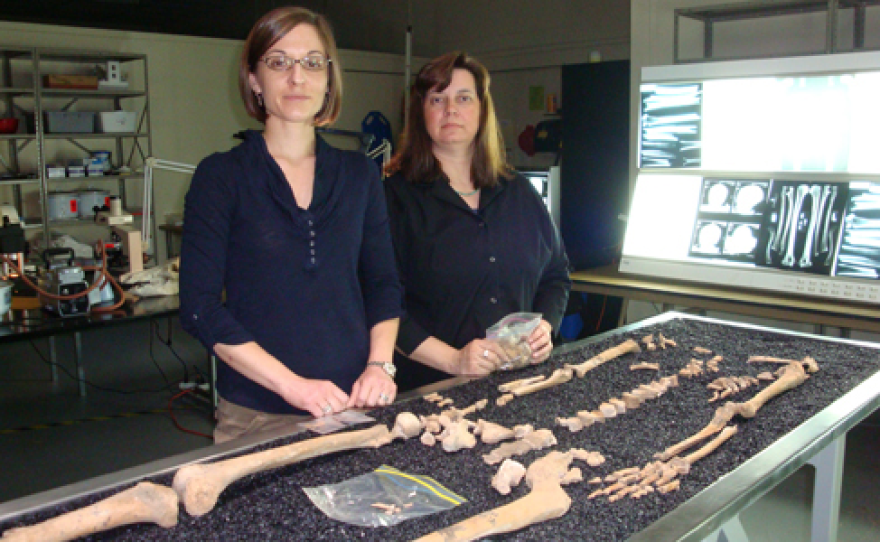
column 143, row 503
column 198, row 486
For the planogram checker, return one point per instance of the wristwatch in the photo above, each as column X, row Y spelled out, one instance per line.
column 387, row 366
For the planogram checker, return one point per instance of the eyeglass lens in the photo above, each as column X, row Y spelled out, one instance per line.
column 313, row 62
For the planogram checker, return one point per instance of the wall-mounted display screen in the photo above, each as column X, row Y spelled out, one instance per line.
column 761, row 174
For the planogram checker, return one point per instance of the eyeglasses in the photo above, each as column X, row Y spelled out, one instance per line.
column 314, row 62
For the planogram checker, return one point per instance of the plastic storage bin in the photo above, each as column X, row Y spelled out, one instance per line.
column 70, row 122
column 116, row 121
column 62, row 205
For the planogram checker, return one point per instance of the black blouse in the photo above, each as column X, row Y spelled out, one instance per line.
column 464, row 269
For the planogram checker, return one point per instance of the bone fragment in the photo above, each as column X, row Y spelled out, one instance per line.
column 428, row 438
column 625, row 347
column 701, row 350
column 594, row 481
column 510, row 386
column 143, row 503
column 199, row 485
column 433, row 397
column 492, row 433
column 573, row 476
column 546, row 500
column 559, row 376
column 509, row 475
column 593, row 459
column 645, row 366
column 664, row 342
column 504, row 399
column 792, row 377
column 648, row 339
column 725, row 435
column 808, row 362
column 572, row 424
column 766, row 375
column 445, row 402
column 618, row 404
column 587, row 418
column 670, row 487
column 631, row 401
column 693, row 368
column 458, row 437
column 431, row 423
column 521, row 431
column 406, row 426
column 608, row 410
column 536, row 440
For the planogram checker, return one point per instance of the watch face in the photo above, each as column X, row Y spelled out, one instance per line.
column 390, row 369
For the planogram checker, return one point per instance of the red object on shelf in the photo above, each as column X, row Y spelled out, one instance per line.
column 8, row 125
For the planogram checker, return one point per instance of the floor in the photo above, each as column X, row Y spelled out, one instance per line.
column 50, row 436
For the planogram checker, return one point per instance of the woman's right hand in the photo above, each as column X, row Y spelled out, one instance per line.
column 480, row 357
column 318, row 397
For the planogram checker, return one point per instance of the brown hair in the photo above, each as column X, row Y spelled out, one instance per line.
column 415, row 158
column 266, row 32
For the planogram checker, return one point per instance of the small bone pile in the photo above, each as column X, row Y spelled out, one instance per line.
column 511, row 472
column 614, row 406
column 692, row 369
column 661, row 342
column 438, row 399
column 535, row 440
column 728, row 385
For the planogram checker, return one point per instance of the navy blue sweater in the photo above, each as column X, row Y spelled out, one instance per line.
column 305, row 284
column 463, row 270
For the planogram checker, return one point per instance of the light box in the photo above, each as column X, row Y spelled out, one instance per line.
column 761, row 174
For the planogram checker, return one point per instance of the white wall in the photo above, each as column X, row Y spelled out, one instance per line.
column 194, row 100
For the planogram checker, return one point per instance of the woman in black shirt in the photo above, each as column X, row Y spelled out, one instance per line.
column 473, row 239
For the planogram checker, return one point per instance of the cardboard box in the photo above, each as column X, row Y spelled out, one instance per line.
column 85, row 82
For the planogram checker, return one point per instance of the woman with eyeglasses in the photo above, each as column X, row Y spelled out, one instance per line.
column 473, row 239
column 295, row 233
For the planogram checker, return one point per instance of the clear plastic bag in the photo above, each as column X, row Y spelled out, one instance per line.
column 512, row 333
column 382, row 498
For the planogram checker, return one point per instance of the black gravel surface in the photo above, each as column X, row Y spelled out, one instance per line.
column 271, row 506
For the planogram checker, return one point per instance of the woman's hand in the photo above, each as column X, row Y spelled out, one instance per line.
column 318, row 397
column 373, row 388
column 541, row 342
column 480, row 357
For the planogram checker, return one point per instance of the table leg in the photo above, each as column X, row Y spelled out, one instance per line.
column 826, row 490
column 53, row 359
column 80, row 371
column 731, row 531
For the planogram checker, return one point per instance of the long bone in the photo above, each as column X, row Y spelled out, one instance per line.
column 825, row 245
column 807, row 254
column 559, row 376
column 788, row 259
column 826, row 193
column 143, row 503
column 199, row 486
column 546, row 500
column 793, row 375
column 775, row 235
column 786, row 203
column 625, row 347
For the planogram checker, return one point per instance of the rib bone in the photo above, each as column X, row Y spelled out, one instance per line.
column 199, row 486
column 559, row 376
column 143, row 503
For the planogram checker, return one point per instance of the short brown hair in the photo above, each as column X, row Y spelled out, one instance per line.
column 266, row 32
column 416, row 160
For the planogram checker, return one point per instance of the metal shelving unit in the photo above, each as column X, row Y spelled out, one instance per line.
column 725, row 13
column 22, row 97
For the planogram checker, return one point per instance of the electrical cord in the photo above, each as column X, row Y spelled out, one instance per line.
column 168, row 387
column 167, row 343
column 174, row 418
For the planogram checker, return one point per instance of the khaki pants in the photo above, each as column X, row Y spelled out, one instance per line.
column 234, row 421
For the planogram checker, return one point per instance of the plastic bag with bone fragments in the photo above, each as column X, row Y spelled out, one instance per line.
column 382, row 498
column 512, row 334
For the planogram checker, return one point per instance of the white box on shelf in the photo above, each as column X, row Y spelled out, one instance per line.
column 116, row 121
